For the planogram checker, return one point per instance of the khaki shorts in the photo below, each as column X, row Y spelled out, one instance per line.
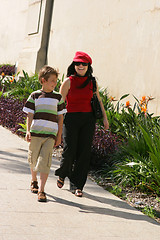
column 40, row 154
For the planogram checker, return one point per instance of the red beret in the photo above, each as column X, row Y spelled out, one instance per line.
column 82, row 57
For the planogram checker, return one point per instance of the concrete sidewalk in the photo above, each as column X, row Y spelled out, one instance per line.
column 98, row 215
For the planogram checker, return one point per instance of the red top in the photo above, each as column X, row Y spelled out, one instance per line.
column 79, row 99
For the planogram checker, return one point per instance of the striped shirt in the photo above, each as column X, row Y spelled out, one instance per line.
column 46, row 107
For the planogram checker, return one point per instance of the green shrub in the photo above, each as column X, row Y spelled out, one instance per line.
column 23, row 87
column 7, row 69
column 142, row 166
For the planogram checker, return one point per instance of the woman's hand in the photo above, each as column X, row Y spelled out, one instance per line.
column 106, row 124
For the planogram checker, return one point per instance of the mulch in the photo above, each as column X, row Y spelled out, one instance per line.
column 135, row 198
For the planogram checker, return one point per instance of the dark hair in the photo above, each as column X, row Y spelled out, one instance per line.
column 71, row 71
column 46, row 71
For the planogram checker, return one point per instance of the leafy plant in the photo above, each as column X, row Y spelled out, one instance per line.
column 149, row 211
column 7, row 69
column 142, row 168
column 158, row 199
column 116, row 190
column 108, row 105
column 26, row 84
column 124, row 120
column 11, row 113
column 23, row 128
column 104, row 144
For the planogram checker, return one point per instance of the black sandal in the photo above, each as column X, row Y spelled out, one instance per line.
column 78, row 193
column 60, row 182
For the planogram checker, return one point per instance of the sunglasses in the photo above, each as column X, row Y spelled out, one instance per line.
column 79, row 63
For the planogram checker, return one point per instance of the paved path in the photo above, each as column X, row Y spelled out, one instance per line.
column 99, row 215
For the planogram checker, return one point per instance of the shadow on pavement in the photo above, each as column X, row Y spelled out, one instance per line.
column 15, row 162
column 112, row 202
column 6, row 153
column 103, row 211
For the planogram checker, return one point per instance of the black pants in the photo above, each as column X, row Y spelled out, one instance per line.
column 78, row 133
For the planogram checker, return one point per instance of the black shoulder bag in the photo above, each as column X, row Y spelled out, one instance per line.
column 96, row 107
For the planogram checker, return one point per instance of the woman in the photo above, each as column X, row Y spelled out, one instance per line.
column 79, row 123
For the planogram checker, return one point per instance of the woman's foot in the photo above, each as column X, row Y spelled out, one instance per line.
column 78, row 193
column 72, row 187
column 60, row 182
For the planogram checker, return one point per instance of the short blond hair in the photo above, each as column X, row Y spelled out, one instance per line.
column 46, row 71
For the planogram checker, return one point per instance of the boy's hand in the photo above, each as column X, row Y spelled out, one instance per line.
column 58, row 141
column 28, row 137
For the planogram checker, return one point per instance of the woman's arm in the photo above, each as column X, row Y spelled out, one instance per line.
column 65, row 88
column 105, row 120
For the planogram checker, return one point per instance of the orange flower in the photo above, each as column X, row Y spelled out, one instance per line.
column 112, row 99
column 144, row 109
column 3, row 74
column 141, row 102
column 128, row 104
column 143, row 98
column 11, row 80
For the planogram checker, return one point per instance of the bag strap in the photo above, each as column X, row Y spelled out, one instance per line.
column 94, row 84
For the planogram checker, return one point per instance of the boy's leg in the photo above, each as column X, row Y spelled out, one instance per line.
column 45, row 156
column 41, row 193
column 34, row 182
column 34, row 175
column 34, row 149
column 43, row 179
column 43, row 166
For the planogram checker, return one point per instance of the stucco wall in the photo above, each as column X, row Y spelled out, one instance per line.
column 12, row 29
column 33, row 35
column 123, row 38
column 21, row 24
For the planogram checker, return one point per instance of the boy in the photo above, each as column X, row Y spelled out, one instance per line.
column 45, row 109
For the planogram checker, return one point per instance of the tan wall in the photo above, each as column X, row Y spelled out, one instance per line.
column 123, row 38
column 21, row 24
column 33, row 35
column 12, row 29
